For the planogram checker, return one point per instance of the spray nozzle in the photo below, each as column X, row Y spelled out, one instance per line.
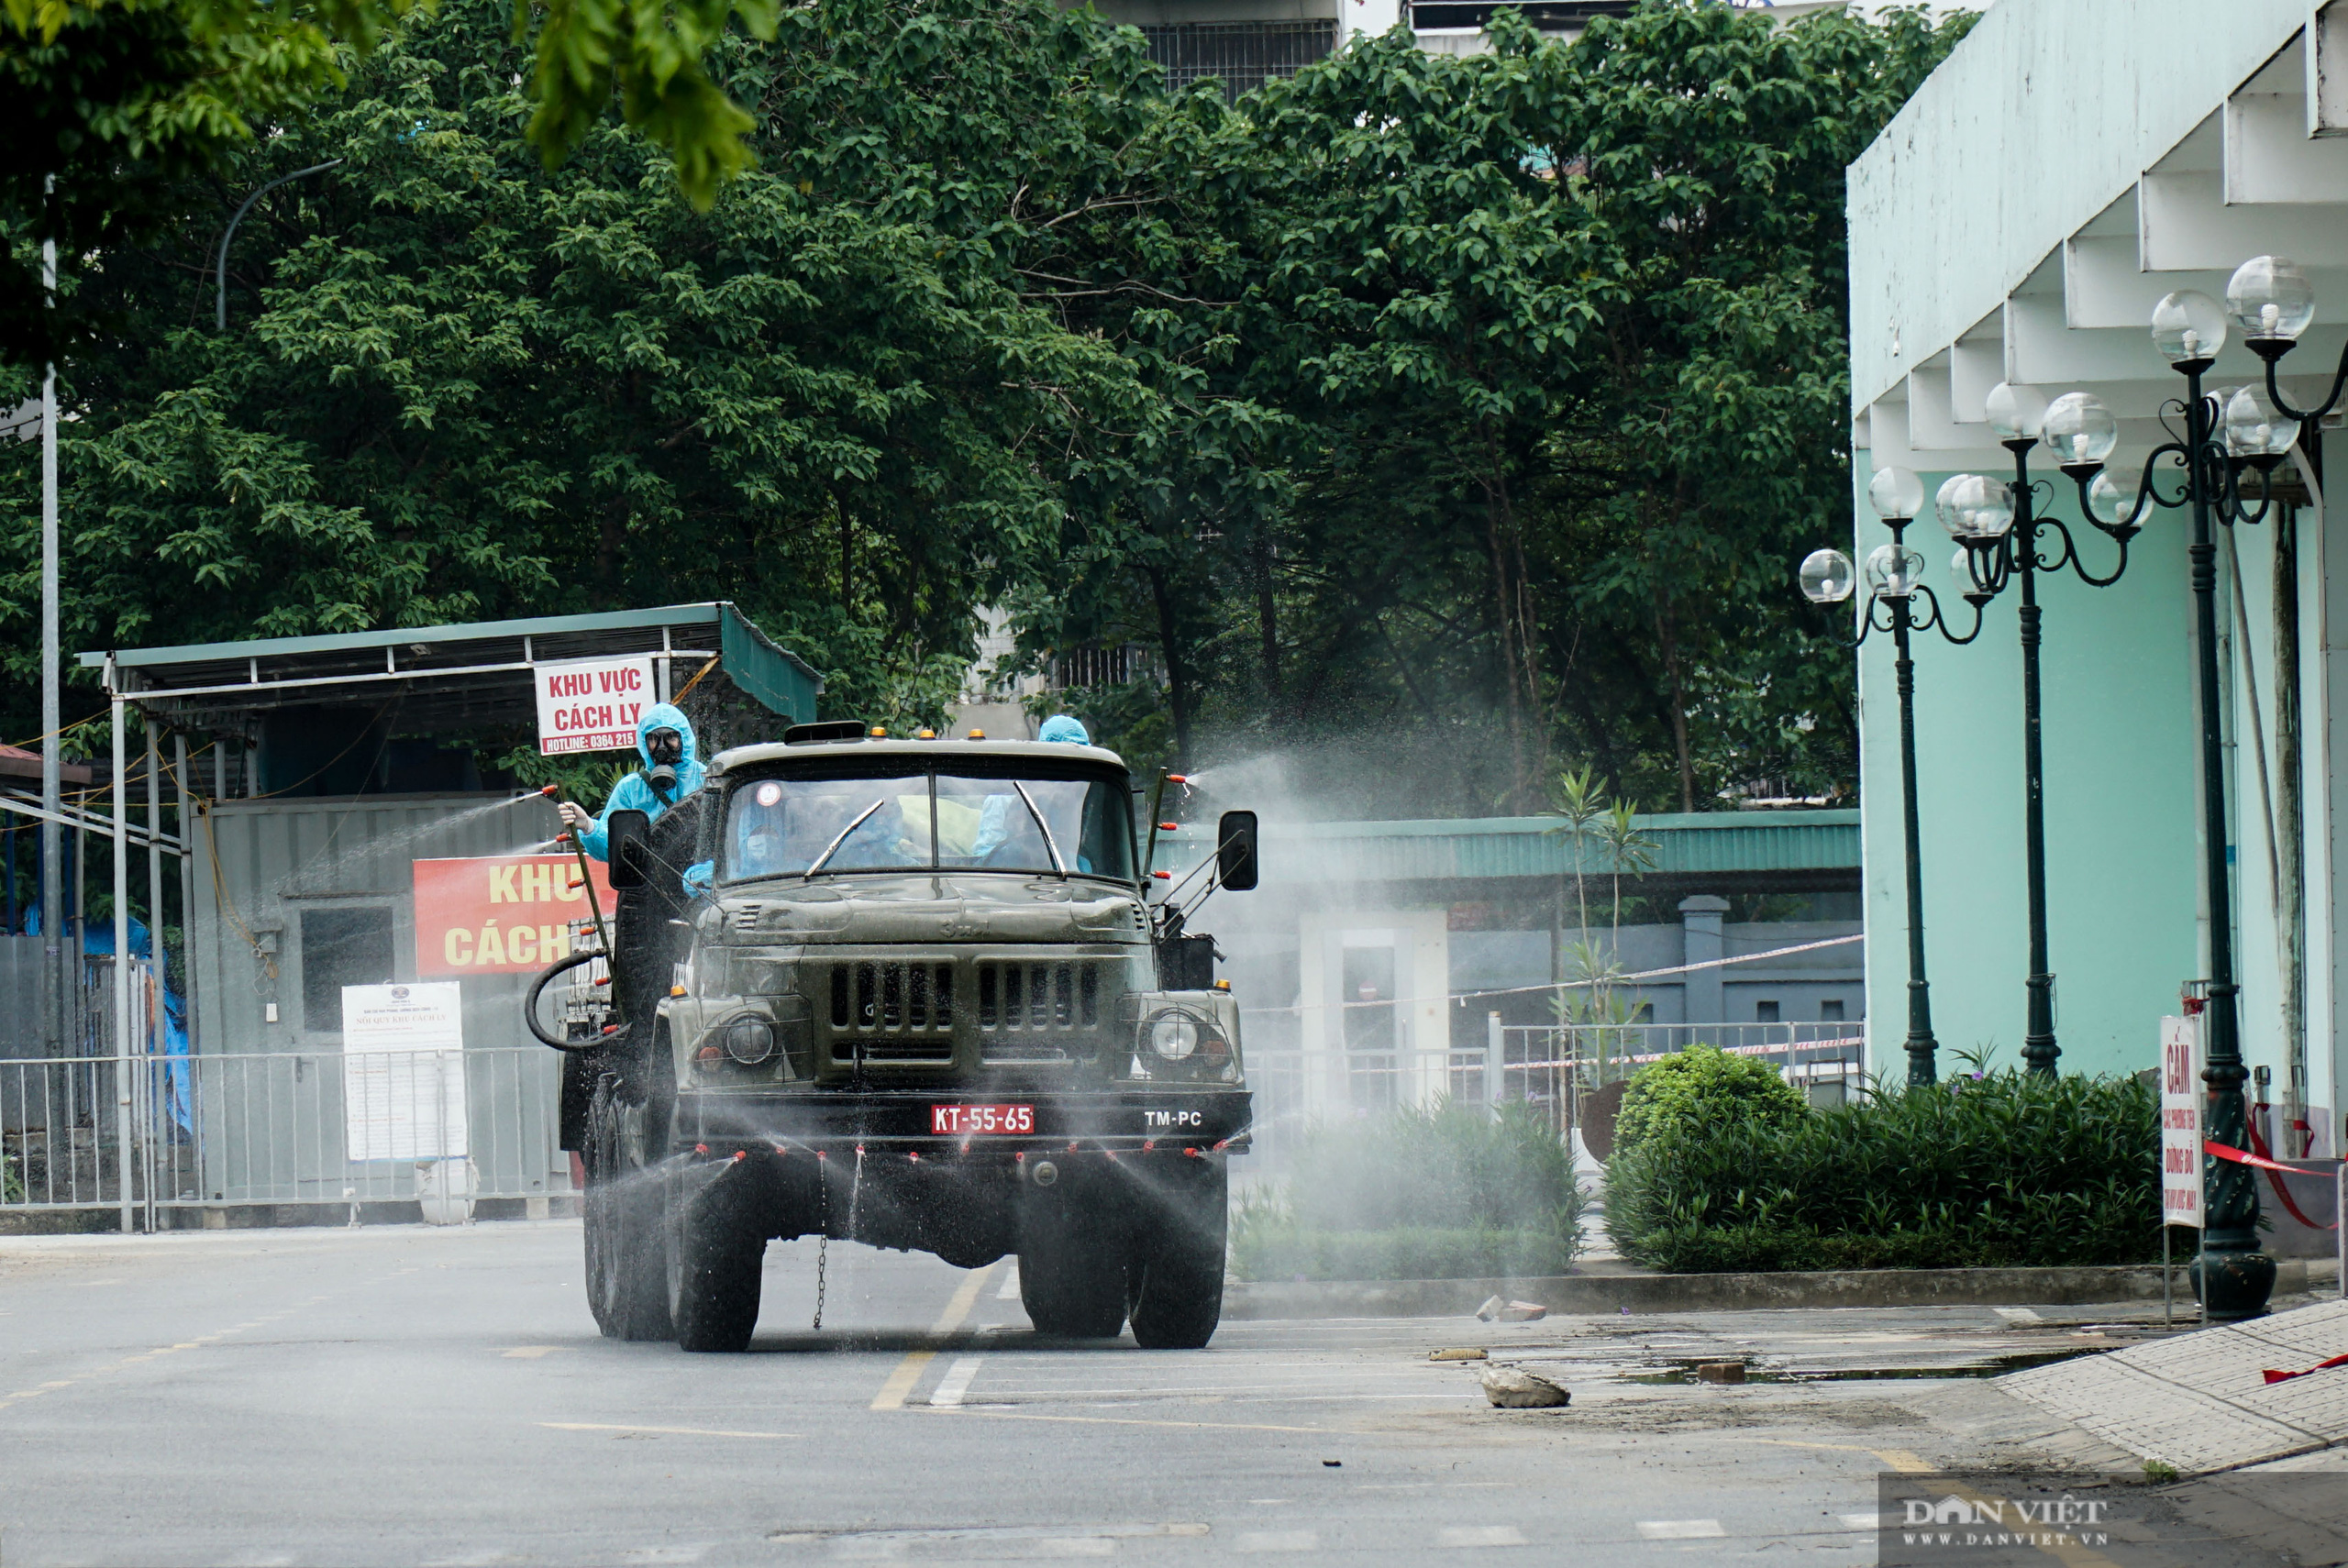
column 552, row 789
column 1163, row 876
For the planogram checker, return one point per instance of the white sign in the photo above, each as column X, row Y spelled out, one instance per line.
column 403, row 1072
column 2181, row 1121
column 592, row 704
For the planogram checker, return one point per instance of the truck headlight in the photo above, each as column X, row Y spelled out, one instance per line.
column 749, row 1042
column 1174, row 1036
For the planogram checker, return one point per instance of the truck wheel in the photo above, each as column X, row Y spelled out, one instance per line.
column 1177, row 1265
column 1072, row 1272
column 627, row 1268
column 713, row 1269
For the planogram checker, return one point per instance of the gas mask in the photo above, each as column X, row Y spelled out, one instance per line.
column 668, row 749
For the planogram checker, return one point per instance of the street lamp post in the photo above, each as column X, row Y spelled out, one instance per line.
column 1895, row 578
column 2223, row 438
column 2000, row 525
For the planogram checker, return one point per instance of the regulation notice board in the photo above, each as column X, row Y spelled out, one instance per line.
column 403, row 1072
column 592, row 704
column 2181, row 1121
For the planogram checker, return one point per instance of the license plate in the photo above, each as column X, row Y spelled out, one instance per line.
column 956, row 1120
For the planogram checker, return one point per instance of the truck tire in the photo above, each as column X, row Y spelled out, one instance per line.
column 1072, row 1268
column 1177, row 1270
column 713, row 1276
column 626, row 1271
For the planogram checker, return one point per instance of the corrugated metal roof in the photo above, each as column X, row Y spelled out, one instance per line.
column 1686, row 843
column 458, row 675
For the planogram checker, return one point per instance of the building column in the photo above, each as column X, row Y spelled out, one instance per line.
column 1699, row 922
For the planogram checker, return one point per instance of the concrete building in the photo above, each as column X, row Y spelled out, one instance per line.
column 2071, row 163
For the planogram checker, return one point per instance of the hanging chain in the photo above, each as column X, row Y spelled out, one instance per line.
column 823, row 1237
column 822, row 1241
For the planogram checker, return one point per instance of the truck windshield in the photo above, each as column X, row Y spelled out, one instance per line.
column 916, row 822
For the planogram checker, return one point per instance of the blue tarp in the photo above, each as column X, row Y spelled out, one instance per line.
column 97, row 939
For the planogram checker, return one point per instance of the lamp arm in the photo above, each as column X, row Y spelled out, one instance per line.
column 1937, row 619
column 2234, row 511
column 2331, row 400
column 2148, row 494
column 2070, row 557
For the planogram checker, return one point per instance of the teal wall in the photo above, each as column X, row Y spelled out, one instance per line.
column 2119, row 759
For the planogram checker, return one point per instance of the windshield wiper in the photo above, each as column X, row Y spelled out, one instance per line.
column 1043, row 827
column 851, row 827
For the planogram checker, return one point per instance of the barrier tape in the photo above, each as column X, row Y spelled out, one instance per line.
column 2243, row 1157
column 2319, row 1366
column 2282, row 1194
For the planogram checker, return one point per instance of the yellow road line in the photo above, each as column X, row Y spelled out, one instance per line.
column 900, row 1382
column 666, row 1432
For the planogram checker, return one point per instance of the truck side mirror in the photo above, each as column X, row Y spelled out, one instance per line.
column 1234, row 851
column 627, row 835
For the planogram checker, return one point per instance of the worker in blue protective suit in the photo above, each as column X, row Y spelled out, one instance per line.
column 1064, row 729
column 664, row 737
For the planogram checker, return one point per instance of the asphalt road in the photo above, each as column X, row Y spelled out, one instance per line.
column 408, row 1397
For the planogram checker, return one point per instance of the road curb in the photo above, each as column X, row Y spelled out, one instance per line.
column 1613, row 1293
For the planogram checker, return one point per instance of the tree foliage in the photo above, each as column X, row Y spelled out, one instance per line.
column 458, row 386
column 111, row 105
column 1461, row 416
column 1546, row 349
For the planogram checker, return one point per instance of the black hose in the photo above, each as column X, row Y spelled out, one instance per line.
column 531, row 1006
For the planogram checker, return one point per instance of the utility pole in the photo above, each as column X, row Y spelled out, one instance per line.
column 52, row 884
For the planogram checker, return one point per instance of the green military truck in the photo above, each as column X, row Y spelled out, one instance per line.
column 912, row 993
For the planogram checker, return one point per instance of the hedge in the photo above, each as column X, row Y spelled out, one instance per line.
column 2006, row 1170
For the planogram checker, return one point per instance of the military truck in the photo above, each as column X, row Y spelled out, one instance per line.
column 912, row 993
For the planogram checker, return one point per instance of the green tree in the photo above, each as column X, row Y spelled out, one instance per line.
column 111, row 106
column 1540, row 356
column 458, row 385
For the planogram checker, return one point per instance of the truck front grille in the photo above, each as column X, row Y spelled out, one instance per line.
column 1047, row 1010
column 932, row 1010
column 882, row 997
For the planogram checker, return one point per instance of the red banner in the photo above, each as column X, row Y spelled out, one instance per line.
column 501, row 914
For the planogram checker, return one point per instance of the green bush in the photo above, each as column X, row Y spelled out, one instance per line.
column 1446, row 1192
column 1704, row 1087
column 2007, row 1170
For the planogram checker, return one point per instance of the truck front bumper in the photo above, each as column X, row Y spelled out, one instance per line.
column 1136, row 1120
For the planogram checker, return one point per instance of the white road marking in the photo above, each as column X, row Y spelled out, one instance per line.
column 957, row 1381
column 1680, row 1529
column 1482, row 1535
column 1279, row 1540
column 2017, row 1314
column 1010, row 1291
column 1861, row 1521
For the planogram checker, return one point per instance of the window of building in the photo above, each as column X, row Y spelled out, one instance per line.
column 341, row 947
column 1765, row 1011
column 1830, row 1011
column 1243, row 55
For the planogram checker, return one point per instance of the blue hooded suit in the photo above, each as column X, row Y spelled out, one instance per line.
column 635, row 792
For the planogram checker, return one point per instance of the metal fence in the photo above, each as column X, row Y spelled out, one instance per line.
column 1547, row 1068
column 279, row 1128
